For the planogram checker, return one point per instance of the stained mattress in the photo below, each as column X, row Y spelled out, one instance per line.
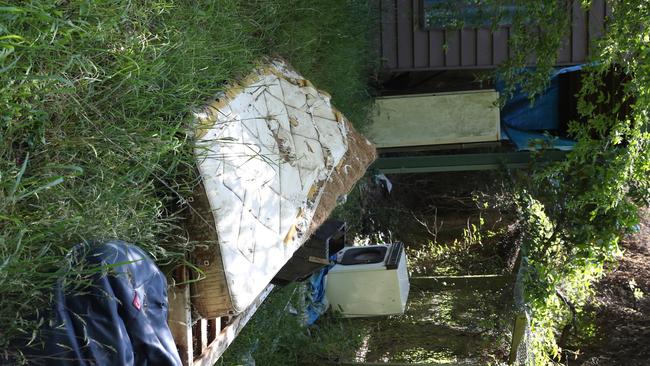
column 267, row 151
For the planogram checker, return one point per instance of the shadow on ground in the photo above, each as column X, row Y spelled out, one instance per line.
column 460, row 326
column 622, row 307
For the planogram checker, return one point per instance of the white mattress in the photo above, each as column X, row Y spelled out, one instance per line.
column 262, row 148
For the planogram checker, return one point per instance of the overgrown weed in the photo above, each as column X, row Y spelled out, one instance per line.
column 275, row 336
column 96, row 98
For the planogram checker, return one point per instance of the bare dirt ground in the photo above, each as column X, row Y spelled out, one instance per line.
column 623, row 319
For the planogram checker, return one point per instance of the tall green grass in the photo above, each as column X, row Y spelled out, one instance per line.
column 277, row 336
column 95, row 98
column 330, row 42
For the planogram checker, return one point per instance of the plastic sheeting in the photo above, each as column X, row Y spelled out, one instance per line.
column 317, row 303
column 543, row 114
column 120, row 318
column 534, row 141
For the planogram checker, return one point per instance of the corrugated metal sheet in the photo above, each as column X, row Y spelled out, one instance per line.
column 405, row 46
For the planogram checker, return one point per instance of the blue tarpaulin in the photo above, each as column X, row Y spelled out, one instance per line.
column 120, row 318
column 533, row 141
column 316, row 302
column 543, row 115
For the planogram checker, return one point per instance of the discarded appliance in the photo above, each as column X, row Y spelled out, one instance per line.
column 273, row 156
column 369, row 281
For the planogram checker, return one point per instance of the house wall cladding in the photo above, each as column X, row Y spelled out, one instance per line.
column 405, row 46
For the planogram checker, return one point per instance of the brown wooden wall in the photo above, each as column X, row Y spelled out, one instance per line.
column 404, row 46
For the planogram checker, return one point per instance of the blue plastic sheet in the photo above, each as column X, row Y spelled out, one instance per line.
column 119, row 319
column 533, row 141
column 543, row 115
column 316, row 302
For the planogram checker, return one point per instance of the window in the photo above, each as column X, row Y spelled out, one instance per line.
column 464, row 13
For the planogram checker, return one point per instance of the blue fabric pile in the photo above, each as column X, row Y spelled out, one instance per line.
column 316, row 301
column 120, row 318
column 526, row 125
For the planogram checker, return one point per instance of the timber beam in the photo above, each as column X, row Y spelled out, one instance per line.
column 463, row 162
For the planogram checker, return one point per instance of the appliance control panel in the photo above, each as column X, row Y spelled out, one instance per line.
column 394, row 255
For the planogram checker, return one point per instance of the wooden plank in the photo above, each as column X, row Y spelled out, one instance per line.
column 436, row 48
column 518, row 331
column 212, row 353
column 578, row 34
column 439, row 49
column 439, row 118
column 210, row 295
column 388, row 34
column 461, row 282
column 452, row 47
column 404, row 34
column 564, row 53
column 461, row 162
column 466, row 146
column 468, row 47
column 180, row 317
column 596, row 20
column 500, row 45
column 203, row 335
column 483, row 47
column 521, row 319
column 420, row 39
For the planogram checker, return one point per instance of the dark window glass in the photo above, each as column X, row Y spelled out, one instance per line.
column 464, row 14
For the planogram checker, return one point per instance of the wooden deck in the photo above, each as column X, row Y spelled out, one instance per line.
column 406, row 46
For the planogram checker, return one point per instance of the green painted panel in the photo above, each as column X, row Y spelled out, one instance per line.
column 462, row 162
column 433, row 119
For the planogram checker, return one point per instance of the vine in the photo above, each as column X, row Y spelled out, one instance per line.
column 574, row 212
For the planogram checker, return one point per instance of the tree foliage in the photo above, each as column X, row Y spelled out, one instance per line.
column 575, row 211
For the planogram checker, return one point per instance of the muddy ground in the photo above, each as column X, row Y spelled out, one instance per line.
column 623, row 319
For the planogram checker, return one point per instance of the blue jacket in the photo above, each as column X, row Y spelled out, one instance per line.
column 118, row 318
